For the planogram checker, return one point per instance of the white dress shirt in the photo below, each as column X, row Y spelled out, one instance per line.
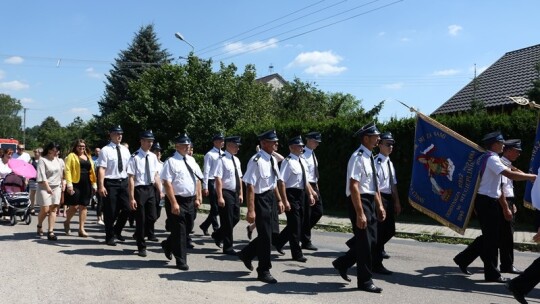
column 291, row 172
column 383, row 165
column 259, row 172
column 137, row 167
column 225, row 171
column 210, row 161
column 176, row 172
column 490, row 183
column 359, row 168
column 310, row 165
column 108, row 159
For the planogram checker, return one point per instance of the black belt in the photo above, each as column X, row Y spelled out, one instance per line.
column 367, row 195
column 143, row 186
column 115, row 179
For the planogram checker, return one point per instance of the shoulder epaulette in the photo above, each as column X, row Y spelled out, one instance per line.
column 135, row 154
column 360, row 152
column 256, row 159
column 222, row 155
column 288, row 157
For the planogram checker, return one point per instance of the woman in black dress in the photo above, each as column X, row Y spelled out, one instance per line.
column 80, row 177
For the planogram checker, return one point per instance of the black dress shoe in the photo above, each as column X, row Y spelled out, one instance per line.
column 518, row 295
column 279, row 250
column 309, row 246
column 167, row 251
column 230, row 252
column 246, row 262
column 120, row 238
column 512, row 269
column 382, row 270
column 385, row 255
column 301, row 259
column 266, row 278
column 111, row 242
column 142, row 253
column 205, row 231
column 342, row 271
column 370, row 288
column 217, row 241
column 182, row 266
column 249, row 232
column 153, row 238
column 190, row 245
column 462, row 267
column 498, row 280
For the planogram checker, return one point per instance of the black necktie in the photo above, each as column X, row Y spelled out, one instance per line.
column 273, row 168
column 304, row 179
column 191, row 170
column 316, row 164
column 374, row 173
column 390, row 175
column 147, row 171
column 236, row 175
column 120, row 164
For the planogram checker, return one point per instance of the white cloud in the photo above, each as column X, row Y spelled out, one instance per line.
column 14, row 60
column 14, row 85
column 394, row 86
column 27, row 100
column 2, row 74
column 448, row 72
column 90, row 72
column 257, row 46
column 454, row 29
column 79, row 110
column 405, row 39
column 325, row 69
column 318, row 63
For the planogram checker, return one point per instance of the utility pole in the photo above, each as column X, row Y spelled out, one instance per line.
column 24, row 126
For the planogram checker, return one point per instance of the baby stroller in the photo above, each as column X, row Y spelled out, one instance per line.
column 15, row 201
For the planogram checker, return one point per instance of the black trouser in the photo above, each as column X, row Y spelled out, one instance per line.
column 115, row 206
column 145, row 214
column 178, row 225
column 506, row 245
column 158, row 206
column 213, row 215
column 486, row 246
column 267, row 223
column 385, row 229
column 291, row 232
column 312, row 215
column 526, row 281
column 363, row 247
column 229, row 216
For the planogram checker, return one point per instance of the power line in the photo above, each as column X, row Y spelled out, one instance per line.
column 313, row 30
column 277, row 26
column 267, row 23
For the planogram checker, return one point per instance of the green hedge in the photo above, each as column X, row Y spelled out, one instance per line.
column 338, row 144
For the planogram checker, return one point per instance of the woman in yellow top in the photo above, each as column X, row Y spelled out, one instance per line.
column 80, row 176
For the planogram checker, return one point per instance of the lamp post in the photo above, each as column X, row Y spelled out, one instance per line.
column 179, row 36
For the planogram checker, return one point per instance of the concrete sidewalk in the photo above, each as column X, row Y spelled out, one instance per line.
column 520, row 237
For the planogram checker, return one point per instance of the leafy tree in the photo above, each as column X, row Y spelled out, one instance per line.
column 9, row 115
column 534, row 93
column 142, row 54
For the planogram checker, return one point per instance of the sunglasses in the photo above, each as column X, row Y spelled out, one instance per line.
column 388, row 145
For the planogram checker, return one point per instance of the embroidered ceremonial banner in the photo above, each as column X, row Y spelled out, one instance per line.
column 533, row 168
column 445, row 173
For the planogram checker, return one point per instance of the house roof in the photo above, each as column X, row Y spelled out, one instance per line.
column 267, row 79
column 511, row 75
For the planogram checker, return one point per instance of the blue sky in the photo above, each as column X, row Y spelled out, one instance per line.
column 54, row 54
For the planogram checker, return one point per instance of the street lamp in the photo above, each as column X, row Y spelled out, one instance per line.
column 179, row 36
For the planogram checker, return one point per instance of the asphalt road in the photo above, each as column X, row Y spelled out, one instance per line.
column 85, row 270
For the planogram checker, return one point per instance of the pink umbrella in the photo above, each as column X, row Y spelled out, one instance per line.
column 22, row 168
